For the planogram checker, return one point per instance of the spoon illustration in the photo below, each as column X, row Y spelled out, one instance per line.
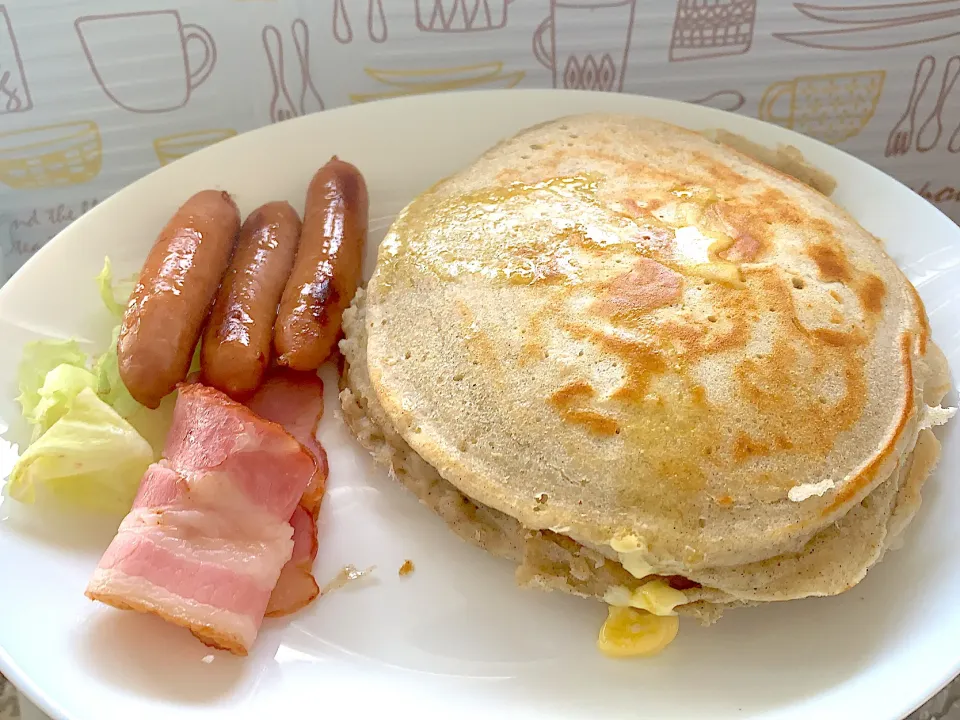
column 729, row 100
column 376, row 21
column 342, row 32
column 310, row 100
column 281, row 106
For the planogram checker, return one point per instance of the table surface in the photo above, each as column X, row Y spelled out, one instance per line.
column 944, row 706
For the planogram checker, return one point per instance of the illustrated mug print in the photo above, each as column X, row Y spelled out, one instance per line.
column 14, row 93
column 50, row 156
column 586, row 44
column 459, row 16
column 142, row 60
column 831, row 107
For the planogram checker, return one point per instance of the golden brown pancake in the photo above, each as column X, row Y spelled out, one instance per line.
column 552, row 561
column 615, row 336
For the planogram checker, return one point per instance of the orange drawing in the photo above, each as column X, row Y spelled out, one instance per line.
column 419, row 82
column 282, row 106
column 142, row 59
column 174, row 147
column 457, row 16
column 729, row 100
column 901, row 137
column 586, row 60
column 50, row 156
column 832, row 107
column 712, row 28
column 14, row 93
column 878, row 27
column 932, row 129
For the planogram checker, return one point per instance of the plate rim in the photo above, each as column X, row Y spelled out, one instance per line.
column 12, row 670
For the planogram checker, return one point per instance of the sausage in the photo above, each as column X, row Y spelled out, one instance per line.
column 174, row 294
column 237, row 342
column 327, row 269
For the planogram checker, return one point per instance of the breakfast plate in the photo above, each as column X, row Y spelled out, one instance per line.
column 456, row 636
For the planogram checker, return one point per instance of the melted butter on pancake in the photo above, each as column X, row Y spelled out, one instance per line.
column 561, row 230
column 694, row 335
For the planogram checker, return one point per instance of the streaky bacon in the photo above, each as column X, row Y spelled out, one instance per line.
column 297, row 586
column 209, row 533
column 295, row 401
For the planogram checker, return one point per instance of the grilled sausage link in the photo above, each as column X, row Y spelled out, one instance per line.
column 174, row 294
column 327, row 269
column 237, row 342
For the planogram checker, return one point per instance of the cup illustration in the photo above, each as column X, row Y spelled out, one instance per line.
column 174, row 147
column 14, row 93
column 712, row 28
column 832, row 107
column 453, row 16
column 50, row 156
column 142, row 60
column 586, row 44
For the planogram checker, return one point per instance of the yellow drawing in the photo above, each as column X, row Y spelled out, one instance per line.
column 174, row 147
column 417, row 82
column 831, row 107
column 50, row 156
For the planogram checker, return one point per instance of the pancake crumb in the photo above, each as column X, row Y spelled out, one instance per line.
column 406, row 568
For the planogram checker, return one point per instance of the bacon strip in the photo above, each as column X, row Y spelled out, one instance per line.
column 209, row 532
column 295, row 401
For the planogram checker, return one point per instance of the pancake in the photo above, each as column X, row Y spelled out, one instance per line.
column 619, row 330
column 835, row 560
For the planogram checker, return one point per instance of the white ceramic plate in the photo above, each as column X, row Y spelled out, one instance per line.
column 456, row 638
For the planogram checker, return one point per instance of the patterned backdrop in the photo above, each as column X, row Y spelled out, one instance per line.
column 96, row 93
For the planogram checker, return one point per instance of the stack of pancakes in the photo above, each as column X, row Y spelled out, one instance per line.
column 647, row 368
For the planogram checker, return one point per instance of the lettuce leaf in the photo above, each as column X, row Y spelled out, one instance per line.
column 115, row 296
column 90, row 458
column 39, row 358
column 60, row 387
column 91, row 441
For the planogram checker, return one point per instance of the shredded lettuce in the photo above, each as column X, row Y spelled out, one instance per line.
column 90, row 458
column 91, row 441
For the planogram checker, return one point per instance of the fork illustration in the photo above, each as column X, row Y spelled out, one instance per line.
column 932, row 129
column 901, row 137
